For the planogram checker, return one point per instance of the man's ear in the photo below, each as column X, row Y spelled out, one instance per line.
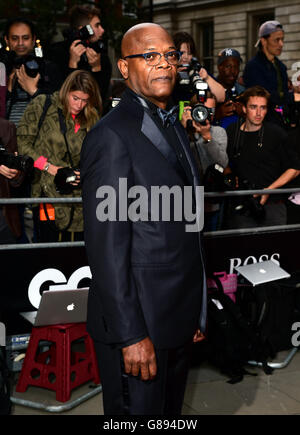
column 123, row 67
column 263, row 42
column 244, row 109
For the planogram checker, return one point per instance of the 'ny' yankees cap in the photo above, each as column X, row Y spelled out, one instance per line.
column 228, row 52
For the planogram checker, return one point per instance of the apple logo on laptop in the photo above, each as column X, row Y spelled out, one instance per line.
column 71, row 307
column 262, row 271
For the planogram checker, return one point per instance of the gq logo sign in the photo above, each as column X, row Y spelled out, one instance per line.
column 56, row 276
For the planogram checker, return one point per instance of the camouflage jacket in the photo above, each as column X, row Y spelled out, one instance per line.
column 49, row 142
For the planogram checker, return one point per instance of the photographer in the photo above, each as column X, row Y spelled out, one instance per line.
column 229, row 61
column 209, row 144
column 28, row 75
column 55, row 148
column 10, row 178
column 261, row 157
column 183, row 90
column 266, row 70
column 83, row 47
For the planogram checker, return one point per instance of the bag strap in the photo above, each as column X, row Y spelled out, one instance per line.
column 47, row 104
column 63, row 129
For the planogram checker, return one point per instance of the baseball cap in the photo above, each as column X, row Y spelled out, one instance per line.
column 228, row 52
column 267, row 28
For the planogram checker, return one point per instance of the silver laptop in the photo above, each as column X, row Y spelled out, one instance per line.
column 59, row 307
column 259, row 273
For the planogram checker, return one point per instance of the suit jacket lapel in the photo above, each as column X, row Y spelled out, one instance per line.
column 152, row 132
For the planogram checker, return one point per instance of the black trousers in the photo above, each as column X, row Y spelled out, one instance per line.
column 129, row 395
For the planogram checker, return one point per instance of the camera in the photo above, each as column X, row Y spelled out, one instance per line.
column 22, row 163
column 200, row 113
column 250, row 206
column 33, row 64
column 84, row 34
column 63, row 179
column 215, row 180
column 231, row 94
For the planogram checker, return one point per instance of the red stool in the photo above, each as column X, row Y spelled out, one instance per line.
column 60, row 368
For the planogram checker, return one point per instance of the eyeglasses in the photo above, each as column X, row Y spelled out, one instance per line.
column 153, row 58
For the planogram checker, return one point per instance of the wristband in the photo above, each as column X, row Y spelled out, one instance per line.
column 40, row 163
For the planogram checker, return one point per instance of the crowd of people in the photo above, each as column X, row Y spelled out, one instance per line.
column 49, row 103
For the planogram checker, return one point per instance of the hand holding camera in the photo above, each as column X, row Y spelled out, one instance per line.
column 8, row 172
column 66, row 180
column 76, row 51
column 189, row 123
column 29, row 84
column 94, row 59
column 82, row 47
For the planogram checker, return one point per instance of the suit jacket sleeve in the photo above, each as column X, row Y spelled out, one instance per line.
column 104, row 160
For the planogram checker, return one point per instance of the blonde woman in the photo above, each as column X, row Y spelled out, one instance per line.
column 52, row 131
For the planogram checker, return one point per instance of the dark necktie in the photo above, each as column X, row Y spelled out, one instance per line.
column 168, row 117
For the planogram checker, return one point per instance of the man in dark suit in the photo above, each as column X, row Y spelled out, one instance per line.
column 147, row 300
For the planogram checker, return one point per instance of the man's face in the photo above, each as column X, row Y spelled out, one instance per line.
column 20, row 40
column 155, row 83
column 95, row 23
column 273, row 45
column 229, row 71
column 256, row 110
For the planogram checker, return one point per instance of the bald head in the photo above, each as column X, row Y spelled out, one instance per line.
column 135, row 36
column 154, row 82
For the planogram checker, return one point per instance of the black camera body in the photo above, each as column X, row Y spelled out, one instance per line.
column 63, row 179
column 33, row 64
column 231, row 94
column 216, row 181
column 22, row 163
column 84, row 34
column 249, row 205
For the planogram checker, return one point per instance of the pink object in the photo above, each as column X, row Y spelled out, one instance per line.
column 40, row 163
column 77, row 126
column 229, row 283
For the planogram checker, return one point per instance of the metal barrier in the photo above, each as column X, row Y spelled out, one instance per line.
column 226, row 194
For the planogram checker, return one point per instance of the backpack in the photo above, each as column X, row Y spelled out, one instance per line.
column 232, row 339
column 5, row 403
column 272, row 308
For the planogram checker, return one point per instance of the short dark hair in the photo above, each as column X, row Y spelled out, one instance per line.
column 255, row 91
column 81, row 15
column 184, row 37
column 19, row 20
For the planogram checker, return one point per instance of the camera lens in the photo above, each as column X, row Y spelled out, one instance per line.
column 200, row 113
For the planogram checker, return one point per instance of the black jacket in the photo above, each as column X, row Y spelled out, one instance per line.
column 147, row 277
